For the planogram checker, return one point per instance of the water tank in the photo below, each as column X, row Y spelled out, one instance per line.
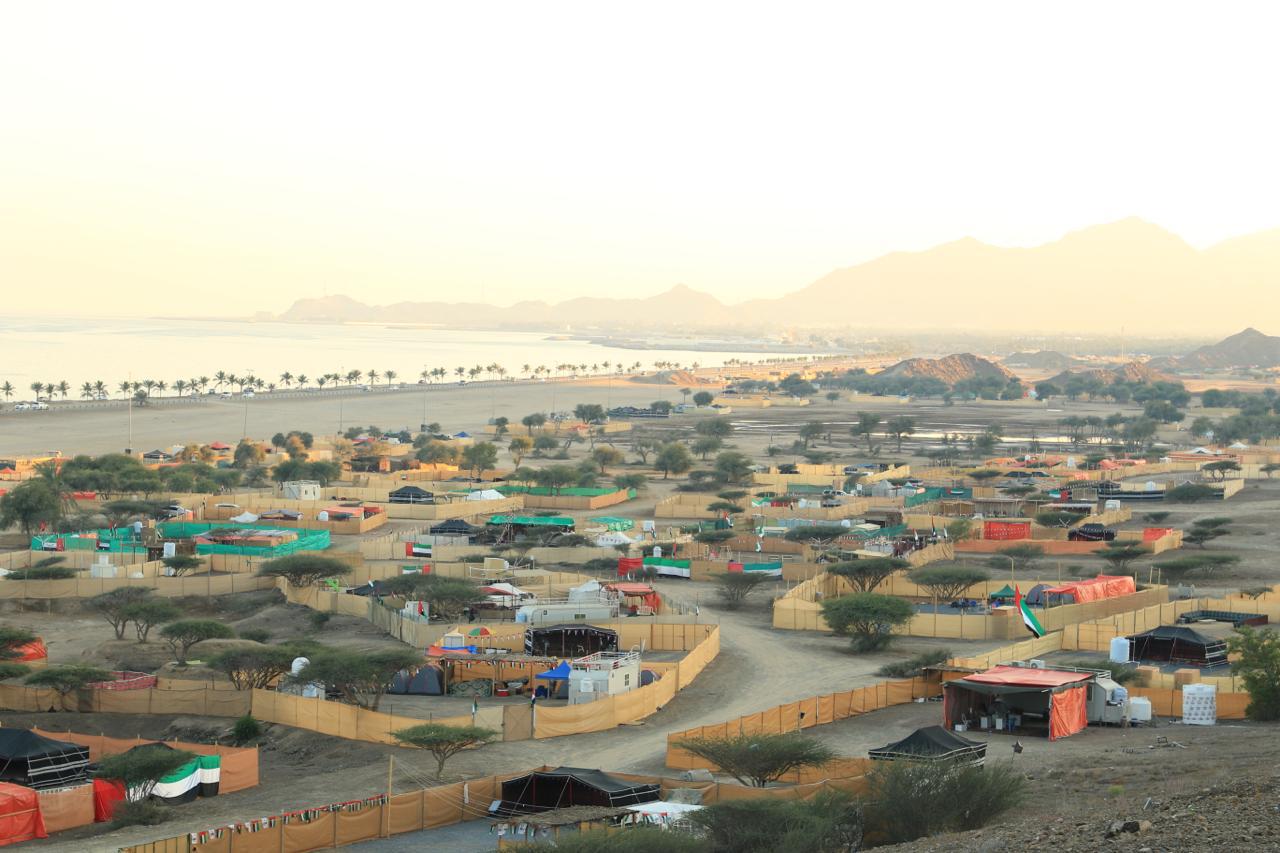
column 299, row 664
column 1199, row 704
column 1140, row 709
column 1119, row 650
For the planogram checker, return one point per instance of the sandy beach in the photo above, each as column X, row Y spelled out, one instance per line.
column 104, row 428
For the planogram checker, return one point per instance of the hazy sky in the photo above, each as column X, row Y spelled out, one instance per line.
column 245, row 154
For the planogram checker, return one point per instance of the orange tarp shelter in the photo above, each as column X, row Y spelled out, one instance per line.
column 1058, row 694
column 20, row 818
column 1095, row 589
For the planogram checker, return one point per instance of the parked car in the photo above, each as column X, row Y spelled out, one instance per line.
column 21, row 406
column 248, row 392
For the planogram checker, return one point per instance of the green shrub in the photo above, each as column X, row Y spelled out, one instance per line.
column 258, row 635
column 914, row 666
column 907, row 800
column 140, row 813
column 320, row 618
column 246, row 729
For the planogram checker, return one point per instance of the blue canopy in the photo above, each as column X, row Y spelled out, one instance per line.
column 559, row 672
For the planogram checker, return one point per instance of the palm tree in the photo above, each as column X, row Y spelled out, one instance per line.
column 86, row 390
column 7, row 389
column 271, row 386
column 36, row 388
column 124, row 388
column 440, row 373
column 204, row 383
column 99, row 389
column 525, row 369
column 321, row 379
column 353, row 376
column 460, row 371
column 180, row 385
column 389, row 375
column 149, row 385
column 220, row 378
column 302, row 380
column 160, row 386
column 373, row 375
column 259, row 384
column 64, row 388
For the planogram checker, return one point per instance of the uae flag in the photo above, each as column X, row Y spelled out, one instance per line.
column 1028, row 618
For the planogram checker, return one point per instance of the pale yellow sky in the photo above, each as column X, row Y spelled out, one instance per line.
column 245, row 154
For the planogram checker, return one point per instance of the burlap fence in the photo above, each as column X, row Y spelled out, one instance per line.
column 201, row 700
column 804, row 714
column 203, row 585
column 239, row 764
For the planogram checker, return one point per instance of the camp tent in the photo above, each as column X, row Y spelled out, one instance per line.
column 34, row 761
column 932, row 743
column 569, row 639
column 485, row 495
column 1005, row 591
column 612, row 539
column 427, row 681
column 639, row 595
column 245, row 517
column 1035, row 595
column 1051, row 699
column 564, row 787
column 453, row 527
column 20, row 818
column 199, row 777
column 1093, row 589
column 1178, row 644
column 411, row 495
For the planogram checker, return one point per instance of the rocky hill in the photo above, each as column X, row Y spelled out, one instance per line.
column 1249, row 348
column 1042, row 360
column 1133, row 371
column 949, row 369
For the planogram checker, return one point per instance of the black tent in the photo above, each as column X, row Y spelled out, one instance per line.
column 453, row 527
column 573, row 639
column 1178, row 644
column 38, row 762
column 932, row 743
column 563, row 787
column 427, row 681
column 411, row 495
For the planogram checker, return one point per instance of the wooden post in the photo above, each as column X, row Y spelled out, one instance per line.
column 386, row 807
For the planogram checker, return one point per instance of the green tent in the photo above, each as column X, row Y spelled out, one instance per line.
column 1005, row 591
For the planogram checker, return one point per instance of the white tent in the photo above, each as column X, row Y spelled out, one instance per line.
column 589, row 591
column 611, row 538
column 245, row 517
column 485, row 495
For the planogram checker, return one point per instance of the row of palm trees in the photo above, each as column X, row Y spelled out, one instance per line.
column 99, row 390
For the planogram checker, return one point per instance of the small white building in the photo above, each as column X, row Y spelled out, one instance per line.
column 603, row 674
column 300, row 490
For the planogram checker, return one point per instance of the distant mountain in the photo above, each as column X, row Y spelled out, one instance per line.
column 1129, row 273
column 680, row 305
column 1042, row 360
column 1249, row 348
column 949, row 369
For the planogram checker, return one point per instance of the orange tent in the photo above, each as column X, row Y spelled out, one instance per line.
column 1062, row 694
column 20, row 818
column 1095, row 589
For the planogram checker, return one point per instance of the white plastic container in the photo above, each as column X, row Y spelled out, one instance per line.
column 1119, row 650
column 1200, row 705
column 1139, row 709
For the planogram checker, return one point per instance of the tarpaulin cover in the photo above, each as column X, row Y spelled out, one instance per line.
column 34, row 650
column 20, row 818
column 1067, row 713
column 1021, row 676
column 106, row 793
column 1095, row 589
column 627, row 565
column 1006, row 530
column 1151, row 534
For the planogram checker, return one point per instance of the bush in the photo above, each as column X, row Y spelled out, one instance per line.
column 41, row 573
column 736, row 587
column 139, row 813
column 907, row 800
column 1190, row 493
column 1258, row 665
column 638, row 839
column 914, row 666
column 304, row 569
column 246, row 730
column 830, row 821
column 319, row 619
column 183, row 635
column 258, row 635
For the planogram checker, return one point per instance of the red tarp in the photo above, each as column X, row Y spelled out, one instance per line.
column 1021, row 676
column 20, row 818
column 34, row 650
column 1151, row 534
column 626, row 565
column 1095, row 589
column 643, row 591
column 1066, row 712
column 1005, row 530
column 106, row 793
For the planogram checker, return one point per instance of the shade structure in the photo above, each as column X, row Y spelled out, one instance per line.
column 20, row 818
column 453, row 527
column 1056, row 697
column 564, row 787
column 1094, row 589
column 411, row 495
column 569, row 639
column 1005, row 591
column 1178, row 644
column 932, row 743
column 559, row 672
column 34, row 761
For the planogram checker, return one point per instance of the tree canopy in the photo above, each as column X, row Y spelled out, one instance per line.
column 867, row 618
column 758, row 759
column 443, row 741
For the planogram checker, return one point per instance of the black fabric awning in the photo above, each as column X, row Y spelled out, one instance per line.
column 932, row 743
column 564, row 787
column 29, row 759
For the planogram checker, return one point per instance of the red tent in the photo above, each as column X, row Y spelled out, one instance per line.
column 1056, row 695
column 1095, row 589
column 20, row 818
column 27, row 652
column 643, row 591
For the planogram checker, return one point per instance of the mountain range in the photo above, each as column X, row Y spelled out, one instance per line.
column 1249, row 348
column 1128, row 274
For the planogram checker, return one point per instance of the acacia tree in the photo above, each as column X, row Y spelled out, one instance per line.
column 182, row 635
column 736, row 587
column 446, row 597
column 673, row 458
column 868, row 619
column 30, row 504
column 947, row 583
column 139, row 769
column 304, row 569
column 758, row 759
column 1120, row 554
column 67, row 679
column 866, row 426
column 148, row 613
column 443, row 741
column 1257, row 662
column 113, row 606
column 11, row 638
column 867, row 573
column 254, row 666
column 360, row 677
column 181, row 564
